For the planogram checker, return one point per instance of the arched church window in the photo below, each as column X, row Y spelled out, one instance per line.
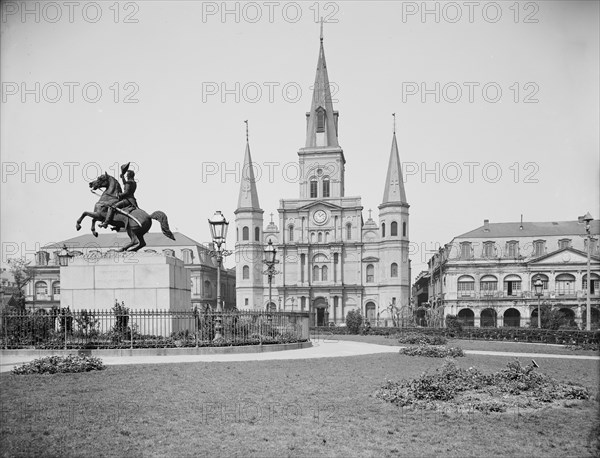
column 394, row 229
column 245, row 273
column 245, row 233
column 320, row 119
column 291, row 234
column 383, row 229
column 319, row 237
column 404, row 229
column 316, row 273
column 257, row 234
column 324, row 272
column 349, row 231
column 313, row 188
column 394, row 270
column 326, row 187
column 370, row 273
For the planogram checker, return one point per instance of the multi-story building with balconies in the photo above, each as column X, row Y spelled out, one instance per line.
column 485, row 276
column 43, row 291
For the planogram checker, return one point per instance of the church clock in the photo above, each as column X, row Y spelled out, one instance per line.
column 320, row 217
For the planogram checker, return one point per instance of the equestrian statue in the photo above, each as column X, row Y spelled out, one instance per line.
column 120, row 210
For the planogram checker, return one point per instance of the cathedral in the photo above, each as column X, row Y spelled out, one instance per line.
column 330, row 261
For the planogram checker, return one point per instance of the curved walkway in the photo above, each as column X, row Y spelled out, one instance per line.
column 320, row 349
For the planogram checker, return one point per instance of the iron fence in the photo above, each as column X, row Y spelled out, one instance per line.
column 96, row 329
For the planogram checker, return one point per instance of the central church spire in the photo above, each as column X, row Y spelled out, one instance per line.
column 321, row 128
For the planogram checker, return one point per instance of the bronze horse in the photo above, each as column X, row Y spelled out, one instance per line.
column 137, row 223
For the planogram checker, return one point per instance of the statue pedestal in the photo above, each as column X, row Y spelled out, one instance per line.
column 143, row 281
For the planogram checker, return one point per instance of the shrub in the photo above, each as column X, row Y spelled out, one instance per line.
column 59, row 365
column 353, row 321
column 453, row 384
column 422, row 339
column 452, row 323
column 432, row 351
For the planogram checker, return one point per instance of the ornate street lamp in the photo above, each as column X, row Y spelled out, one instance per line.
column 539, row 291
column 270, row 261
column 64, row 256
column 218, row 230
column 587, row 219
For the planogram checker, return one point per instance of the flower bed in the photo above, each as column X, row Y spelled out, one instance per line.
column 433, row 351
column 514, row 386
column 60, row 365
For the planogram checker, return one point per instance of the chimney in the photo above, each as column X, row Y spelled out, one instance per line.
column 486, row 225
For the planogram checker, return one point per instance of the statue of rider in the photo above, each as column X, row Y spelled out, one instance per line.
column 126, row 198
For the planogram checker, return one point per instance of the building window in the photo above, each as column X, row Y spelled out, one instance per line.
column 544, row 280
column 324, row 271
column 313, row 188
column 246, row 301
column 187, row 256
column 404, row 229
column 245, row 273
column 335, row 263
column 394, row 270
column 370, row 273
column 512, row 249
column 348, row 231
column 245, row 233
column 383, row 229
column 593, row 246
column 291, row 234
column 466, row 250
column 169, row 252
column 237, row 234
column 257, row 234
column 302, row 264
column 564, row 243
column 594, row 285
column 539, row 248
column 466, row 286
column 56, row 288
column 394, row 229
column 316, row 273
column 319, row 237
column 42, row 258
column 512, row 285
column 41, row 288
column 565, row 284
column 489, row 249
column 207, row 289
column 326, row 187
column 320, row 119
column 488, row 285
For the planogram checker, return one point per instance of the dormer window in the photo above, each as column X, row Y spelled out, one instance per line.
column 320, row 119
column 564, row 243
column 539, row 247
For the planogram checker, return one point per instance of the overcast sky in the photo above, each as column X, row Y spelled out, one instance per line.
column 514, row 129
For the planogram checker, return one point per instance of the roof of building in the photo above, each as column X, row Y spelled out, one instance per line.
column 530, row 229
column 115, row 239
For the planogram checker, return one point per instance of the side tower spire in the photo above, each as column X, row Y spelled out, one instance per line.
column 248, row 242
column 394, row 193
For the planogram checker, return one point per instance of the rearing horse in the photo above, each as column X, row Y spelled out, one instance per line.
column 137, row 223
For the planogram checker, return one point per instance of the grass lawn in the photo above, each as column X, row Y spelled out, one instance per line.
column 487, row 345
column 318, row 407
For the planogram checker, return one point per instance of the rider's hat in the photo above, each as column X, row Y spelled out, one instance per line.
column 125, row 168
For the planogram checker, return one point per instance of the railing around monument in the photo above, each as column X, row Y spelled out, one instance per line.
column 96, row 329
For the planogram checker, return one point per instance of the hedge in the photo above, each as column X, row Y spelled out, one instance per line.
column 562, row 337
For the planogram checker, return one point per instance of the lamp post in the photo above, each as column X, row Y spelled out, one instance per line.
column 64, row 256
column 587, row 219
column 270, row 261
column 218, row 230
column 539, row 287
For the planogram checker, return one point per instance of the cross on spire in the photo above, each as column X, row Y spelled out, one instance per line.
column 370, row 213
column 394, row 115
column 321, row 28
column 246, row 121
column 271, row 217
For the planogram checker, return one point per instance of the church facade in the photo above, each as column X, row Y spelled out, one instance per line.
column 330, row 260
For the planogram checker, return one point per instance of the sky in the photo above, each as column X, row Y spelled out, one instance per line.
column 497, row 109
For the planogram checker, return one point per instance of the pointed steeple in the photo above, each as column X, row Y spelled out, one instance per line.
column 394, row 185
column 248, row 199
column 322, row 119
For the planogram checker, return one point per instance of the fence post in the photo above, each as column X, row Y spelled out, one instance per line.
column 65, row 328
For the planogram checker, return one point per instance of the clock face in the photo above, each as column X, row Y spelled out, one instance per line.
column 320, row 216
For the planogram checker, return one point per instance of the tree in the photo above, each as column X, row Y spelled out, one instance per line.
column 22, row 274
column 353, row 321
